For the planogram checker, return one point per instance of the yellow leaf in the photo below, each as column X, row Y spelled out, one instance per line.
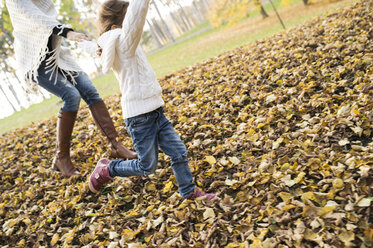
column 338, row 183
column 55, row 239
column 21, row 243
column 168, row 187
column 346, row 236
column 261, row 125
column 147, row 239
column 308, row 196
column 325, row 210
column 309, row 235
column 285, row 196
column 128, row 234
column 287, row 207
column 150, row 187
column 210, row 159
column 209, row 213
column 182, row 119
column 234, row 160
column 299, row 177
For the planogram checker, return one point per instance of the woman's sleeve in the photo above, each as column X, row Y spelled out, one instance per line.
column 133, row 25
column 31, row 13
column 61, row 30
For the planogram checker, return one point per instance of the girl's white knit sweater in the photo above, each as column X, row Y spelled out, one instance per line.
column 141, row 92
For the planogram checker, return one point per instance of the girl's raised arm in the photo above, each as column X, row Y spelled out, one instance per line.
column 133, row 25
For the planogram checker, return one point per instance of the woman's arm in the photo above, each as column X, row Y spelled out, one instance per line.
column 70, row 34
column 29, row 13
column 61, row 30
column 133, row 25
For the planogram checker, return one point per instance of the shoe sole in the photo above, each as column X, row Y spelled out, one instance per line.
column 99, row 163
column 91, row 188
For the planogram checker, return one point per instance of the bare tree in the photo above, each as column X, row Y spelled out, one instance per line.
column 7, row 98
column 154, row 35
column 184, row 15
column 169, row 34
column 180, row 27
column 199, row 12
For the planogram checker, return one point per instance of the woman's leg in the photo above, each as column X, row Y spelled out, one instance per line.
column 101, row 116
column 66, row 118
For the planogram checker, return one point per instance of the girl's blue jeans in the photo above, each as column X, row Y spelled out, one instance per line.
column 150, row 132
column 64, row 88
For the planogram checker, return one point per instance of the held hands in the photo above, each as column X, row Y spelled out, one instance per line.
column 75, row 36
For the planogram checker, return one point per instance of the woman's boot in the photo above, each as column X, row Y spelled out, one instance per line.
column 104, row 122
column 62, row 160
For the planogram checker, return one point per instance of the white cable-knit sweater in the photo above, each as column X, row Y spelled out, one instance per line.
column 141, row 92
column 33, row 22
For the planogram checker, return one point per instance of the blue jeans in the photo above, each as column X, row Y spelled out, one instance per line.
column 65, row 89
column 149, row 132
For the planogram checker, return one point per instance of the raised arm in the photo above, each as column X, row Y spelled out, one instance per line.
column 133, row 25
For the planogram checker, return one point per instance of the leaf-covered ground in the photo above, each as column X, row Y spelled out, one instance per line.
column 282, row 129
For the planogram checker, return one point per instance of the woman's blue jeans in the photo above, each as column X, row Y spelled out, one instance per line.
column 150, row 132
column 65, row 89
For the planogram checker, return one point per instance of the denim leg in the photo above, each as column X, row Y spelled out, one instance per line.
column 172, row 145
column 86, row 89
column 143, row 131
column 61, row 87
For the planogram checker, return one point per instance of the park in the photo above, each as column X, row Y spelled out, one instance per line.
column 278, row 122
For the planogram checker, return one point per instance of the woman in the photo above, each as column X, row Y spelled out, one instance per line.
column 42, row 60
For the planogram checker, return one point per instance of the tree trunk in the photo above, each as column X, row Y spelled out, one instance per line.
column 204, row 6
column 263, row 12
column 200, row 15
column 24, row 88
column 7, row 98
column 305, row 2
column 154, row 35
column 179, row 26
column 184, row 15
column 169, row 34
column 159, row 32
column 11, row 88
column 278, row 16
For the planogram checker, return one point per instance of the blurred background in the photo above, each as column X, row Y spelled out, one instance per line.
column 177, row 33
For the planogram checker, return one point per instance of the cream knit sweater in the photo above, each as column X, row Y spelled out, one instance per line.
column 141, row 92
column 33, row 22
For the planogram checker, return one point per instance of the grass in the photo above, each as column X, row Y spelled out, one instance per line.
column 201, row 47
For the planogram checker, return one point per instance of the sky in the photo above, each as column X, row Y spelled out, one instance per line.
column 85, row 62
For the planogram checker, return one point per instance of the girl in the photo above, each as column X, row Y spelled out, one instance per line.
column 121, row 28
column 42, row 59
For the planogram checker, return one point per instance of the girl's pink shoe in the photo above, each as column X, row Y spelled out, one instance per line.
column 198, row 193
column 100, row 176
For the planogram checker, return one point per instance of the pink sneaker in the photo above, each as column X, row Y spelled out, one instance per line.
column 100, row 176
column 198, row 193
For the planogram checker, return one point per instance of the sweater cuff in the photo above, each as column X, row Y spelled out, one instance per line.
column 61, row 30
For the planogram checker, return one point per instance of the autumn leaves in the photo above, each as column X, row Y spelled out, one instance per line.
column 282, row 128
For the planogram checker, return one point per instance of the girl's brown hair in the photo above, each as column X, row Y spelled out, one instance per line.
column 112, row 12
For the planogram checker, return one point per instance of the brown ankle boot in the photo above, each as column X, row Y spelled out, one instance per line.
column 62, row 161
column 104, row 122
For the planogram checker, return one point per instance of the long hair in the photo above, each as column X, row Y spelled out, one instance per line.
column 112, row 12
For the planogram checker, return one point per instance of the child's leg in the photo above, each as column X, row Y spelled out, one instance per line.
column 143, row 131
column 172, row 145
